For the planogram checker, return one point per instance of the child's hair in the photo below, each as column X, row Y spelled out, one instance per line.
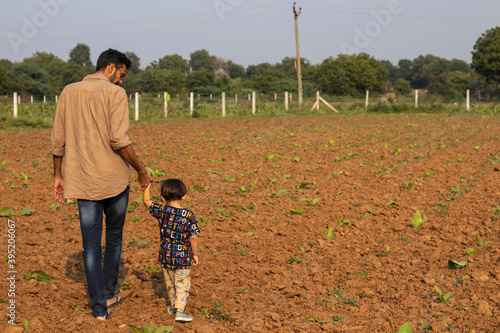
column 173, row 189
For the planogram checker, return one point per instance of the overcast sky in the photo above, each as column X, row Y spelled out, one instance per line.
column 247, row 32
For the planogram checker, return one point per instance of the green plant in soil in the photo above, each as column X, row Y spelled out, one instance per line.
column 480, row 243
column 152, row 270
column 442, row 298
column 243, row 291
column 350, row 301
column 123, row 285
column 216, row 312
column 336, row 319
column 417, row 220
column 313, row 202
column 337, row 294
column 74, row 307
column 39, row 275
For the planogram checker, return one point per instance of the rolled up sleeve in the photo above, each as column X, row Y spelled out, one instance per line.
column 119, row 122
column 57, row 139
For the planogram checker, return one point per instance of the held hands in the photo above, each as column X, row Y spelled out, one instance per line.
column 195, row 260
column 145, row 179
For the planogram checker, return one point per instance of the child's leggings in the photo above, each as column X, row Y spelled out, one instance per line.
column 178, row 285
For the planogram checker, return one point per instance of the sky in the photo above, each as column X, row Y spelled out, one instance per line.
column 247, row 32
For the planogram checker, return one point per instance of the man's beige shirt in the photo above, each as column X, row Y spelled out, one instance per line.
column 90, row 126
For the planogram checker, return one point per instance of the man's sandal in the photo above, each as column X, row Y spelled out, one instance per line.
column 118, row 301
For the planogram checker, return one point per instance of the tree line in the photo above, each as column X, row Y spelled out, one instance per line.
column 346, row 75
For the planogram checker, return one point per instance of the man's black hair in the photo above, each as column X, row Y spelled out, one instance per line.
column 111, row 56
column 173, row 189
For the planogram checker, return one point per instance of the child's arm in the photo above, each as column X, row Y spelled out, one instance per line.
column 194, row 248
column 147, row 197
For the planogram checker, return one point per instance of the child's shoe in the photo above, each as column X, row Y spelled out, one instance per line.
column 170, row 310
column 183, row 317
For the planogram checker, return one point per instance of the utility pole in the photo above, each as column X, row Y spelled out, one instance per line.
column 299, row 73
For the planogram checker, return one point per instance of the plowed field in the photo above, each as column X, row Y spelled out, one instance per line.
column 306, row 226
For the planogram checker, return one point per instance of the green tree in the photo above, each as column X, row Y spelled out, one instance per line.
column 201, row 59
column 451, row 85
column 153, row 80
column 350, row 75
column 235, row 70
column 174, row 62
column 136, row 63
column 32, row 80
column 8, row 84
column 486, row 55
column 53, row 66
column 402, row 86
column 201, row 78
column 72, row 72
column 80, row 55
column 255, row 70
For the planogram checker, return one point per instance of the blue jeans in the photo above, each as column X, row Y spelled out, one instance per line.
column 102, row 278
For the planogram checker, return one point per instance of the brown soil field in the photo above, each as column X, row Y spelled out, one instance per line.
column 306, row 226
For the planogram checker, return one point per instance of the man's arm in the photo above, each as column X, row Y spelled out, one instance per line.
column 58, row 179
column 128, row 153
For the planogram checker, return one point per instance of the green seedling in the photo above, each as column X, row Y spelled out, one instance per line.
column 198, row 187
column 321, row 301
column 229, row 179
column 203, row 220
column 6, row 211
column 123, row 285
column 346, row 222
column 272, row 180
column 3, row 301
column 390, row 203
column 136, row 218
column 220, row 212
column 150, row 329
column 481, row 243
column 452, row 264
column 253, row 183
column 270, row 157
column 387, row 249
column 74, row 307
column 299, row 211
column 430, row 173
column 417, row 220
column 312, row 319
column 249, row 233
column 139, row 243
column 296, row 160
column 242, row 251
column 249, row 208
column 470, row 251
column 297, row 260
column 152, row 270
column 302, row 185
column 370, row 210
column 156, row 172
column 337, row 319
column 350, row 301
column 405, row 328
column 39, row 275
column 277, row 193
column 408, row 186
column 25, row 176
column 329, row 232
column 287, row 176
column 2, row 165
column 216, row 312
column 26, row 325
column 440, row 296
column 337, row 294
column 310, row 203
column 302, row 249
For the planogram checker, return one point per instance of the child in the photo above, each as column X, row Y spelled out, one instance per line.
column 179, row 243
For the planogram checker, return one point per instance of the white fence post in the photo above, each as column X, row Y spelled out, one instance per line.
column 136, row 106
column 165, row 105
column 253, row 102
column 31, row 99
column 367, row 99
column 468, row 100
column 191, row 104
column 223, row 104
column 56, row 99
column 317, row 100
column 286, row 100
column 416, row 99
column 44, row 99
column 15, row 105
column 236, row 98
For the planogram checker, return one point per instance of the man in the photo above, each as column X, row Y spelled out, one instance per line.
column 90, row 134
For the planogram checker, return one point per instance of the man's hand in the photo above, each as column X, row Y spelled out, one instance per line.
column 59, row 189
column 145, row 179
column 195, row 260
